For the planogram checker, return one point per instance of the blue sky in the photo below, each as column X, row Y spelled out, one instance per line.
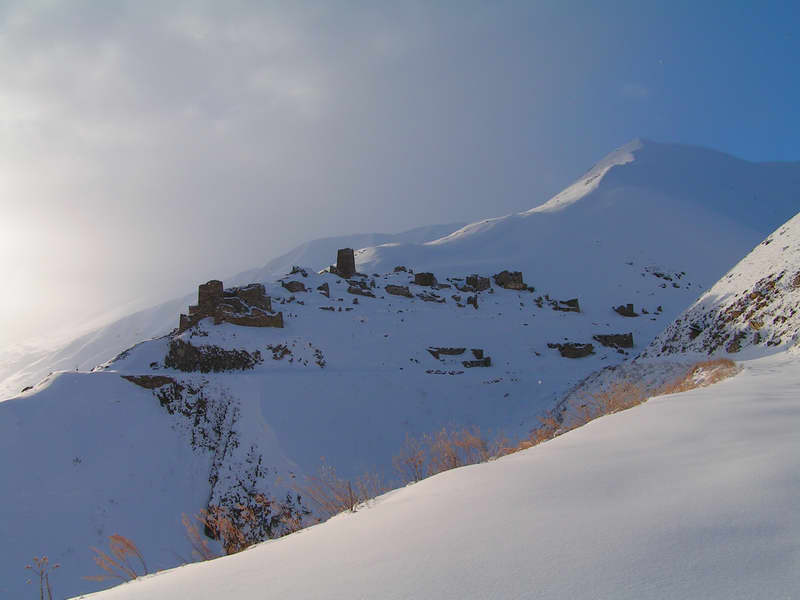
column 147, row 146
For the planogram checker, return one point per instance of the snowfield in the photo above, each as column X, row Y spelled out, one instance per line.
column 692, row 495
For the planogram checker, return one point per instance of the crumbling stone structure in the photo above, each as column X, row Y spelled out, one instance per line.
column 568, row 305
column 478, row 283
column 615, row 340
column 626, row 311
column 426, row 279
column 510, row 280
column 345, row 263
column 248, row 306
column 573, row 349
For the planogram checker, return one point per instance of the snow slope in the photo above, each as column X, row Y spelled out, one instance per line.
column 355, row 378
column 687, row 496
column 29, row 364
column 753, row 309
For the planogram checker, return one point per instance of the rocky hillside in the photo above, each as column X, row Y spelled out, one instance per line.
column 753, row 310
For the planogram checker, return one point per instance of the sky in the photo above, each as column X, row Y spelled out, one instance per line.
column 149, row 146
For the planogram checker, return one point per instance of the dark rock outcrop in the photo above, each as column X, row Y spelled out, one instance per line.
column 149, row 382
column 358, row 291
column 183, row 356
column 436, row 351
column 478, row 362
column 294, row 286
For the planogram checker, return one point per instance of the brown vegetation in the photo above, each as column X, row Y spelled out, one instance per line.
column 117, row 564
column 330, row 495
column 702, row 374
column 240, row 526
column 42, row 568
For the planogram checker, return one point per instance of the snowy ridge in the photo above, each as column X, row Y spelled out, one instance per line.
column 753, row 310
column 589, row 182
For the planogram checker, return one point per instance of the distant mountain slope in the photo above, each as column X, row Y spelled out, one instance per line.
column 643, row 202
column 687, row 496
column 30, row 365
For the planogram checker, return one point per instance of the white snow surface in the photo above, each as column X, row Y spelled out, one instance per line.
column 692, row 495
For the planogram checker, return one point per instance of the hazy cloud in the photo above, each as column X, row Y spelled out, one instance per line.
column 146, row 146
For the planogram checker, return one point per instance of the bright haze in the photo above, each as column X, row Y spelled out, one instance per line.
column 148, row 146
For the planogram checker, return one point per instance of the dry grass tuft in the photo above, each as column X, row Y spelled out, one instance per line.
column 447, row 449
column 330, row 495
column 42, row 568
column 118, row 563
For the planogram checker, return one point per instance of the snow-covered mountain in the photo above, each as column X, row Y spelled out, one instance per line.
column 29, row 364
column 363, row 361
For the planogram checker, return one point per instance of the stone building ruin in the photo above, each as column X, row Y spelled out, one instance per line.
column 248, row 306
column 345, row 263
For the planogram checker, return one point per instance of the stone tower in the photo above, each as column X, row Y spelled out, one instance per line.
column 345, row 262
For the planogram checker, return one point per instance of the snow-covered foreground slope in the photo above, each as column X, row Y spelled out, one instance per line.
column 687, row 496
column 28, row 365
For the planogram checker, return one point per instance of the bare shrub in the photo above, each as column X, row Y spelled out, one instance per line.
column 119, row 562
column 201, row 549
column 332, row 495
column 42, row 568
column 410, row 462
column 701, row 374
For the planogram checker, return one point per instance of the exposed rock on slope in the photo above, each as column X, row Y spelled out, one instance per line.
column 753, row 309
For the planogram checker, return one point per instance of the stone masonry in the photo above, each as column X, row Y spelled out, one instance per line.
column 248, row 306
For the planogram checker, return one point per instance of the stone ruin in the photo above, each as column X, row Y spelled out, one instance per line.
column 478, row 283
column 345, row 263
column 248, row 306
column 510, row 280
column 573, row 349
column 615, row 340
column 425, row 279
column 626, row 310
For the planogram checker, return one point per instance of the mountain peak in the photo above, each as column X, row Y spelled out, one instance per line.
column 591, row 180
